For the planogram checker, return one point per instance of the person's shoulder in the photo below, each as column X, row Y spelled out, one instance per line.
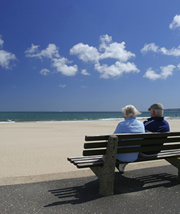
column 166, row 122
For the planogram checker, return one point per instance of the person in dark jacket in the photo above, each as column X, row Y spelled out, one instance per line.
column 156, row 123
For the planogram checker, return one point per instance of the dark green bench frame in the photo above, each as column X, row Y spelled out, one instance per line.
column 100, row 153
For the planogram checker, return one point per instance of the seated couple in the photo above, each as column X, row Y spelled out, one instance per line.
column 155, row 123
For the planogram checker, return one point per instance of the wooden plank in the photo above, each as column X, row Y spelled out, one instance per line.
column 96, row 137
column 132, row 149
column 148, row 141
column 133, row 135
column 95, row 156
column 88, row 161
column 85, row 165
column 147, row 149
column 95, row 145
column 94, row 152
column 85, row 158
column 132, row 142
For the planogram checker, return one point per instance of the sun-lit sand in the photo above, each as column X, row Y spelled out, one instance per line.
column 38, row 151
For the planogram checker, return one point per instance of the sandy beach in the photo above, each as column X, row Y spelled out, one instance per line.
column 38, row 151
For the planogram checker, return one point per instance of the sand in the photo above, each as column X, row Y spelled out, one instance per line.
column 38, row 151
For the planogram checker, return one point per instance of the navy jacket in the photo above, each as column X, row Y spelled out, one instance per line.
column 156, row 124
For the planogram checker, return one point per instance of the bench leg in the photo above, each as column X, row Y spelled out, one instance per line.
column 175, row 162
column 106, row 180
column 106, row 173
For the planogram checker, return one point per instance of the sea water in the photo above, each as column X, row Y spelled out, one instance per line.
column 8, row 117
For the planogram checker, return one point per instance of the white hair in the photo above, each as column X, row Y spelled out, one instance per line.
column 130, row 111
column 158, row 112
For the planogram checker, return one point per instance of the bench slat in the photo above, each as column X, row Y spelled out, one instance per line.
column 131, row 135
column 132, row 142
column 84, row 165
column 132, row 149
column 71, row 159
column 88, row 161
column 147, row 148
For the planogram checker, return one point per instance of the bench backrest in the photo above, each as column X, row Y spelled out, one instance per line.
column 146, row 141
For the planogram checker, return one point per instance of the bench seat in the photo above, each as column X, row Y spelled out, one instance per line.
column 100, row 152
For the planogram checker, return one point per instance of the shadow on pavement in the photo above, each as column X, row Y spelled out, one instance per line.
column 126, row 183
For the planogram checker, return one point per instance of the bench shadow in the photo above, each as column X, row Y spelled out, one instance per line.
column 123, row 184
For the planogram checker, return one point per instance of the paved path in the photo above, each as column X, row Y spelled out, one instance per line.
column 151, row 190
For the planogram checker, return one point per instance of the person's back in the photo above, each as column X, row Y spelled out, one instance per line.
column 156, row 123
column 130, row 125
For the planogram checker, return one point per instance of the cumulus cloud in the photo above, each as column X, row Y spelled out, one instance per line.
column 175, row 23
column 85, row 52
column 50, row 52
column 171, row 52
column 149, row 47
column 165, row 72
column 115, row 70
column 44, row 71
column 113, row 50
column 154, row 48
column 178, row 66
column 5, row 57
column 58, row 62
column 1, row 42
column 60, row 65
column 107, row 49
column 84, row 72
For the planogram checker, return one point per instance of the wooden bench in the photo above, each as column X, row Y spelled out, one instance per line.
column 100, row 153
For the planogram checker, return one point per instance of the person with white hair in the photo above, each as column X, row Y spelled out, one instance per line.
column 130, row 125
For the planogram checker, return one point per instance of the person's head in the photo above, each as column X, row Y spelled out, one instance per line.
column 156, row 110
column 130, row 111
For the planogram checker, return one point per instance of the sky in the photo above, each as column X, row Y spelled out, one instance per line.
column 89, row 55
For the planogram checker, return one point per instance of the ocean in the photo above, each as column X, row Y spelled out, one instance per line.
column 12, row 117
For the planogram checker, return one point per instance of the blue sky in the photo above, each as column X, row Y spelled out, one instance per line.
column 89, row 55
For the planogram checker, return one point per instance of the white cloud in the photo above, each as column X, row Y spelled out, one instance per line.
column 165, row 72
column 58, row 62
column 175, row 23
column 62, row 86
column 5, row 56
column 60, row 65
column 50, row 52
column 44, row 72
column 154, row 48
column 85, row 52
column 1, row 42
column 115, row 70
column 149, row 47
column 151, row 74
column 113, row 50
column 107, row 49
column 178, row 66
column 84, row 72
column 171, row 52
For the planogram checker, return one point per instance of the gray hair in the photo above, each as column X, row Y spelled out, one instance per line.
column 130, row 111
column 158, row 112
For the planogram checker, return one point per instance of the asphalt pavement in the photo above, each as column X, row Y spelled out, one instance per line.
column 150, row 190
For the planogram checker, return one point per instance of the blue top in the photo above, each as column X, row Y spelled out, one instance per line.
column 130, row 125
column 156, row 124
